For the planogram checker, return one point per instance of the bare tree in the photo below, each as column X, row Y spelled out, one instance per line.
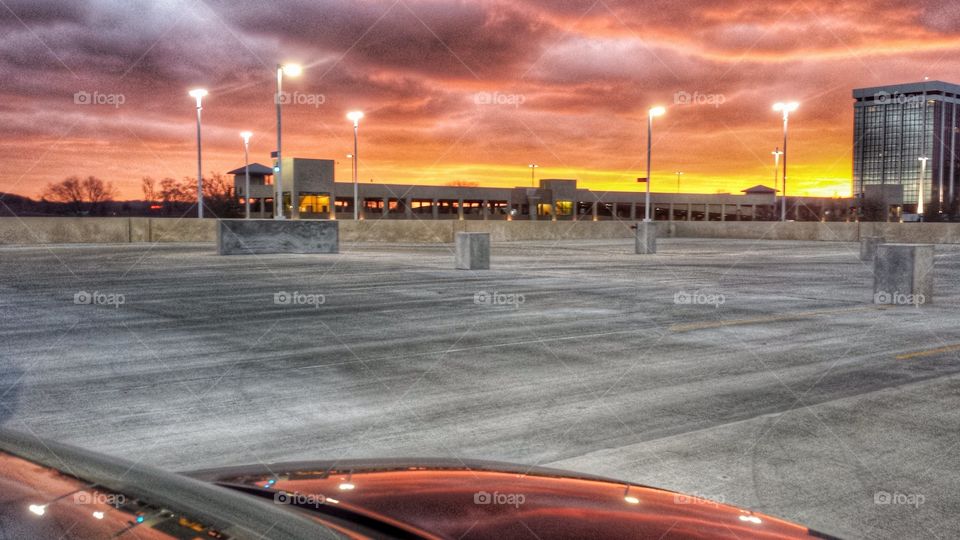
column 462, row 183
column 149, row 187
column 96, row 192
column 91, row 192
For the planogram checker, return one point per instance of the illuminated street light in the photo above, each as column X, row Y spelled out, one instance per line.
column 38, row 509
column 292, row 70
column 533, row 168
column 245, row 135
column 679, row 174
column 652, row 113
column 355, row 117
column 776, row 174
column 199, row 94
column 786, row 109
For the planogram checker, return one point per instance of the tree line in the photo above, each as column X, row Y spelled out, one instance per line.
column 91, row 196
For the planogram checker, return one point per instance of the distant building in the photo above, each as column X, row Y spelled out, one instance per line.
column 759, row 190
column 310, row 192
column 895, row 126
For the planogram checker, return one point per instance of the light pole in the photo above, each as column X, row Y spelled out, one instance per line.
column 923, row 176
column 245, row 135
column 199, row 94
column 533, row 169
column 654, row 112
column 679, row 174
column 776, row 175
column 786, row 109
column 292, row 70
column 355, row 117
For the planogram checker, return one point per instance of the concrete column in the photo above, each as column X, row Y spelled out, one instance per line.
column 473, row 251
column 646, row 240
column 435, row 208
column 596, row 210
column 613, row 210
column 903, row 274
column 633, row 211
column 738, row 211
column 868, row 247
column 485, row 209
column 386, row 206
column 408, row 208
column 294, row 205
column 670, row 217
column 689, row 211
column 460, row 209
column 723, row 212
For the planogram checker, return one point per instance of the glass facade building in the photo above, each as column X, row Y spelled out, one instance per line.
column 895, row 126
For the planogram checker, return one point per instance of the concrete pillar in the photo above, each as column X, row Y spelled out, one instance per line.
column 868, row 247
column 670, row 217
column 738, row 212
column 614, row 208
column 646, row 241
column 460, row 209
column 435, row 208
column 485, row 209
column 633, row 211
column 596, row 210
column 723, row 212
column 473, row 251
column 386, row 206
column 903, row 274
column 408, row 208
column 689, row 211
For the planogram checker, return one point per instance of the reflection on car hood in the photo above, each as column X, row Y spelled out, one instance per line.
column 453, row 499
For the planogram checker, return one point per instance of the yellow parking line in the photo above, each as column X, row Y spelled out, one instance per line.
column 928, row 352
column 761, row 320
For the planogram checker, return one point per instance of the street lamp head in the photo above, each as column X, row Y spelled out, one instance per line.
column 786, row 107
column 292, row 70
column 657, row 111
column 245, row 135
column 355, row 116
column 199, row 94
column 533, row 166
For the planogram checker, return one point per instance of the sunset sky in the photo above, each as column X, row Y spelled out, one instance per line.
column 457, row 91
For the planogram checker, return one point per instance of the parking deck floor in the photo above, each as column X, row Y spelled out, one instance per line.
column 755, row 373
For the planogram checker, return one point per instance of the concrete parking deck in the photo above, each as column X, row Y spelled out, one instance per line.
column 755, row 373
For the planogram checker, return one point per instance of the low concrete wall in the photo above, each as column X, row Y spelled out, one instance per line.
column 65, row 230
column 511, row 231
column 85, row 230
column 766, row 230
column 397, row 231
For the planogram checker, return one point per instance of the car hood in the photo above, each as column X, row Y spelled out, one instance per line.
column 483, row 499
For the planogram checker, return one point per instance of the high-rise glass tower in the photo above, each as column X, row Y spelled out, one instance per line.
column 893, row 128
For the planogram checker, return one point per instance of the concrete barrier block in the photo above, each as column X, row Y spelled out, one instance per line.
column 268, row 236
column 903, row 274
column 868, row 247
column 646, row 239
column 473, row 251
